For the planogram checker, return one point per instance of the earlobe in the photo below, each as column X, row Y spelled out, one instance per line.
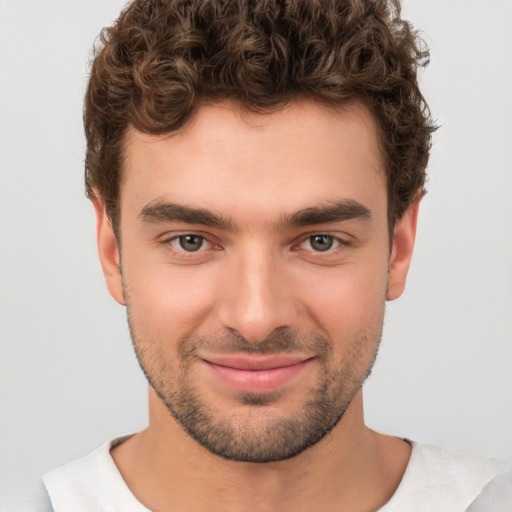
column 108, row 251
column 404, row 236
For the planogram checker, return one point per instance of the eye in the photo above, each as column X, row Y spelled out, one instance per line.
column 189, row 247
column 189, row 242
column 321, row 243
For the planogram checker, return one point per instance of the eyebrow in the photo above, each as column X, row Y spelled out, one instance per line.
column 171, row 212
column 333, row 211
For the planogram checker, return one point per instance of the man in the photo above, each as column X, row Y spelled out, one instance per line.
column 256, row 170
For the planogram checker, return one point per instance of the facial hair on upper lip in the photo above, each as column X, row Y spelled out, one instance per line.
column 282, row 340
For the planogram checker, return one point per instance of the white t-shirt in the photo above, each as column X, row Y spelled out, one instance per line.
column 434, row 481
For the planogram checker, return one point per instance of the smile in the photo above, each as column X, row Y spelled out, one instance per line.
column 256, row 374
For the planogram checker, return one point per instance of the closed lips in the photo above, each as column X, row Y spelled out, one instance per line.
column 256, row 363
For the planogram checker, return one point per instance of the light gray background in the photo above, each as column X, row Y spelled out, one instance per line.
column 69, row 380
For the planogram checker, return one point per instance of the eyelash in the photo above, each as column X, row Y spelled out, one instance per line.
column 337, row 241
column 174, row 241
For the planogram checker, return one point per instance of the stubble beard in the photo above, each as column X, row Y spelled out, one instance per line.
column 256, row 437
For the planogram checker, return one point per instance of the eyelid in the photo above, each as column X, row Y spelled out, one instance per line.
column 170, row 239
column 336, row 244
column 341, row 240
column 172, row 235
column 174, row 241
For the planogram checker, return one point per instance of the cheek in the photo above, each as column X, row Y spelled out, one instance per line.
column 348, row 298
column 168, row 299
column 175, row 301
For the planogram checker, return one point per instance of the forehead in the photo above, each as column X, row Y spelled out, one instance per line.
column 227, row 158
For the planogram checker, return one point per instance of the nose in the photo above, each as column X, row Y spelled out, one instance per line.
column 257, row 298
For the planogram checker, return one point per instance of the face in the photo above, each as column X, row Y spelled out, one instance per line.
column 255, row 263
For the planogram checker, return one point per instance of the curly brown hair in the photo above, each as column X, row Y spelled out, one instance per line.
column 162, row 59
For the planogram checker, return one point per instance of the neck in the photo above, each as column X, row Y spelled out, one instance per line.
column 353, row 468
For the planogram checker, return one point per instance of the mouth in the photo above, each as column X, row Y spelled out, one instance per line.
column 258, row 373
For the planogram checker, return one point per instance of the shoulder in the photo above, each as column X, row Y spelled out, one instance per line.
column 436, row 479
column 92, row 483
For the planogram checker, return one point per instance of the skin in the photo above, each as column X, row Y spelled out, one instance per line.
column 256, row 277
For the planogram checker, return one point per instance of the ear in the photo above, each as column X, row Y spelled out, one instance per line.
column 404, row 235
column 108, row 251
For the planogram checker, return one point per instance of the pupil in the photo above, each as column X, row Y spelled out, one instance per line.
column 321, row 242
column 191, row 242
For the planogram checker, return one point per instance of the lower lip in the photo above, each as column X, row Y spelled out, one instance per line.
column 257, row 381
